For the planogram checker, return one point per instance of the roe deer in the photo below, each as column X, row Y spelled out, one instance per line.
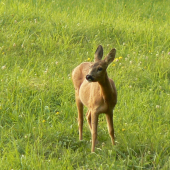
column 96, row 91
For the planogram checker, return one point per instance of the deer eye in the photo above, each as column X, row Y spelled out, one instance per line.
column 100, row 69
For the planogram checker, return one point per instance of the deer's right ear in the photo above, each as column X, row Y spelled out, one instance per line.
column 99, row 53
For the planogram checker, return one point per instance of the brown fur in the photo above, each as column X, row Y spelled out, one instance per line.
column 96, row 91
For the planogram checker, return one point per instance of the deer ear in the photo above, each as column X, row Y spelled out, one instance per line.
column 111, row 56
column 99, row 53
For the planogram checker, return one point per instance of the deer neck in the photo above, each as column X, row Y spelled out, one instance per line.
column 106, row 89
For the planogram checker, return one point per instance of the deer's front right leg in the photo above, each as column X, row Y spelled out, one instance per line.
column 94, row 123
column 80, row 116
column 88, row 117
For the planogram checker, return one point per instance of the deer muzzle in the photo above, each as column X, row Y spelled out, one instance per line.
column 89, row 78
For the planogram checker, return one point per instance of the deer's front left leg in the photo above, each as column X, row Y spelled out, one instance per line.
column 94, row 123
column 109, row 118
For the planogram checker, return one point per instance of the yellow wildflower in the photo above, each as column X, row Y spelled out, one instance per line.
column 114, row 64
column 120, row 57
column 123, row 130
column 57, row 113
column 116, row 59
column 88, row 59
column 3, row 53
column 43, row 121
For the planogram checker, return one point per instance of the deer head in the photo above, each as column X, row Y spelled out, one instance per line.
column 98, row 68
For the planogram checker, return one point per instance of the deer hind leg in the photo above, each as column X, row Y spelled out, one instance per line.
column 109, row 118
column 80, row 116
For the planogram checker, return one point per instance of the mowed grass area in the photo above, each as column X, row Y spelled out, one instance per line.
column 40, row 44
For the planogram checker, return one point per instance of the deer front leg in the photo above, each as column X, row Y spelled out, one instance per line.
column 88, row 117
column 94, row 123
column 80, row 117
column 109, row 118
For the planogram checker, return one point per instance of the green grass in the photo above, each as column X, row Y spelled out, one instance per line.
column 40, row 44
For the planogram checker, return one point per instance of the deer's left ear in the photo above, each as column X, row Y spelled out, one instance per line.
column 110, row 57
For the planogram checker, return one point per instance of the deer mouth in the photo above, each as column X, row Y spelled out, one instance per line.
column 89, row 78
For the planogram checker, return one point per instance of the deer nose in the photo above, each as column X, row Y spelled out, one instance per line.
column 89, row 78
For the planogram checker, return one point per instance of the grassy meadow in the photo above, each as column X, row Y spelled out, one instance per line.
column 41, row 42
